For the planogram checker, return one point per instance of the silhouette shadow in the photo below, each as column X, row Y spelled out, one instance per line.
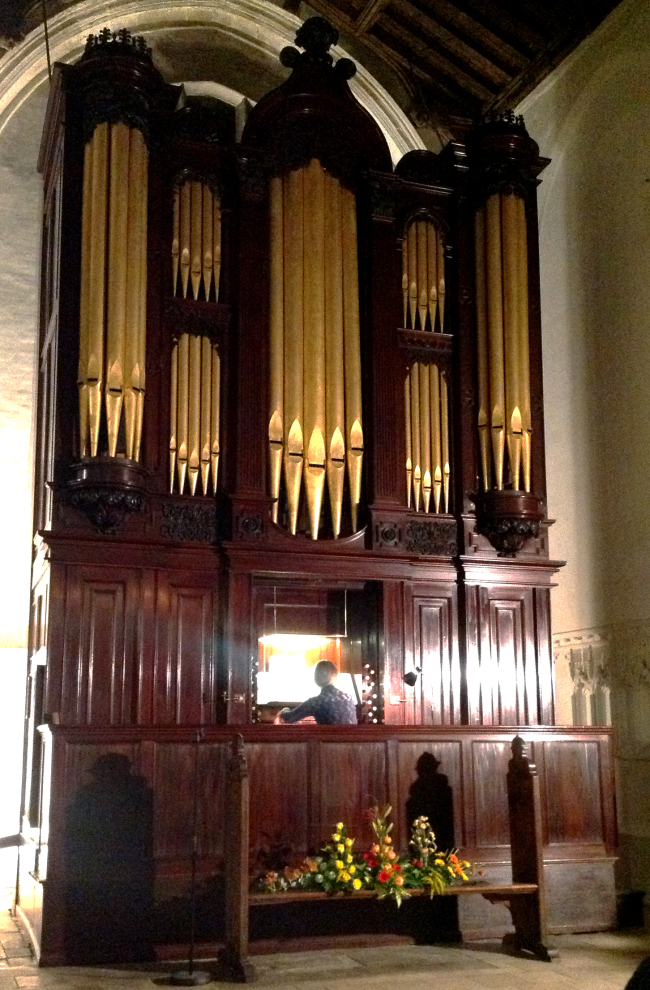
column 431, row 795
column 109, row 859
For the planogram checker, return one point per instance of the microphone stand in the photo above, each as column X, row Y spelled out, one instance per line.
column 191, row 977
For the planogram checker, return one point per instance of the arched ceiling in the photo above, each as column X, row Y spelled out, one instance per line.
column 444, row 61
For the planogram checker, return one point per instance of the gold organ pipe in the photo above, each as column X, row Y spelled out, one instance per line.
column 97, row 280
column 277, row 338
column 436, row 435
column 432, row 272
column 412, row 241
column 510, row 251
column 86, row 229
column 206, row 410
column 334, row 368
column 495, row 332
column 524, row 355
column 482, row 346
column 175, row 237
column 183, row 409
column 216, row 244
column 444, row 430
column 442, row 285
column 423, row 293
column 425, row 434
column 353, row 428
column 405, row 277
column 293, row 340
column 194, row 418
column 137, row 140
column 207, row 237
column 185, row 233
column 173, row 415
column 214, row 427
column 409, row 452
column 196, row 237
column 314, row 340
column 136, row 290
column 415, row 433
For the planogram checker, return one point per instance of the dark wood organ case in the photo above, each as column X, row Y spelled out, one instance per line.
column 285, row 388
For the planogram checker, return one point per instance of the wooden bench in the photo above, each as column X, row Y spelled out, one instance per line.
column 525, row 896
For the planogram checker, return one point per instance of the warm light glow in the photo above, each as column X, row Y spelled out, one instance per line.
column 293, row 642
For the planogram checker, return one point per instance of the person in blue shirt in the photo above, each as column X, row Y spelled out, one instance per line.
column 330, row 707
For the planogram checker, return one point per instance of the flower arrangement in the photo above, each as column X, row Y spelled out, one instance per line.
column 380, row 869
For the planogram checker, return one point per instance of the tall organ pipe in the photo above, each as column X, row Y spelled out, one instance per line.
column 502, row 340
column 315, row 421
column 334, row 364
column 427, row 438
column 194, row 414
column 423, row 276
column 196, row 239
column 112, row 314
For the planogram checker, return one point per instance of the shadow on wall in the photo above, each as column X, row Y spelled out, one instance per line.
column 109, row 856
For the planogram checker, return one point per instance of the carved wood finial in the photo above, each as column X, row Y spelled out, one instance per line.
column 316, row 36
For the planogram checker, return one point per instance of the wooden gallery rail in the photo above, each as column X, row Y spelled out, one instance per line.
column 525, row 896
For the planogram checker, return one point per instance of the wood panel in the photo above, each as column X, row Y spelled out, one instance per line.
column 280, row 802
column 574, row 807
column 352, row 779
column 490, row 796
column 434, row 622
column 185, row 651
column 509, row 664
column 101, row 645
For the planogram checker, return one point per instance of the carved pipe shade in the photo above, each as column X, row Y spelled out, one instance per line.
column 112, row 318
column 315, row 430
column 504, row 420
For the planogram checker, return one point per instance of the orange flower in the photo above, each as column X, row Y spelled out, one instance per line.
column 399, row 881
column 392, row 854
column 453, row 858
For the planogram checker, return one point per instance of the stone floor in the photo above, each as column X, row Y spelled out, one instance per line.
column 585, row 962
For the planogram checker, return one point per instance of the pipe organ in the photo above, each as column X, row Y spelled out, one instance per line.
column 504, row 420
column 315, row 430
column 113, row 290
column 362, row 464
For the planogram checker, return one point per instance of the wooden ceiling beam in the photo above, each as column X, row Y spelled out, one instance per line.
column 369, row 15
column 490, row 14
column 451, row 45
column 479, row 35
column 451, row 99
column 438, row 63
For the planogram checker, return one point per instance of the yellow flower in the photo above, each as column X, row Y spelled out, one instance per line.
column 341, row 847
column 463, row 875
column 345, row 876
column 349, row 859
column 336, row 837
column 353, row 869
column 357, row 884
column 340, row 825
column 451, row 870
column 440, row 862
column 349, row 842
column 339, row 864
